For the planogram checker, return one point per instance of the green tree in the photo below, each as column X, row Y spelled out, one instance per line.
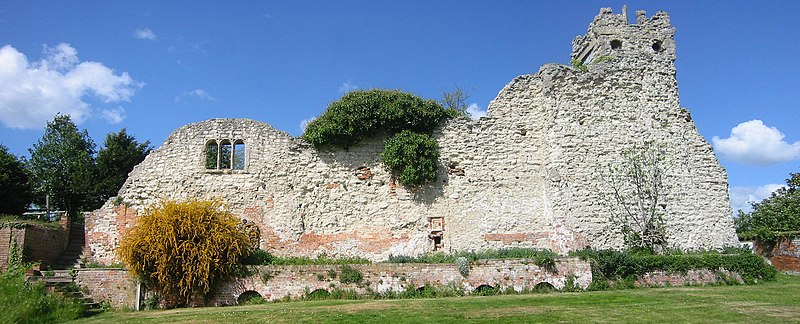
column 15, row 189
column 776, row 216
column 120, row 153
column 62, row 165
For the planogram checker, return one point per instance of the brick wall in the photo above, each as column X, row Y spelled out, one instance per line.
column 691, row 277
column 784, row 255
column 8, row 235
column 39, row 244
column 276, row 282
column 112, row 285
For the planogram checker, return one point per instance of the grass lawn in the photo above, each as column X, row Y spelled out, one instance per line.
column 773, row 302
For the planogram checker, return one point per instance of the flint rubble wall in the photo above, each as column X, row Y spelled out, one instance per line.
column 524, row 176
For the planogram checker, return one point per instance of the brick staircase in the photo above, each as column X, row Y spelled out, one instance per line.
column 71, row 257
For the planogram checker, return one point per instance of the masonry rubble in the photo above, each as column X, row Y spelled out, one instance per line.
column 523, row 176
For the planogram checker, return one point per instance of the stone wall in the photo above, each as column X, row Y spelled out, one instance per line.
column 783, row 255
column 112, row 285
column 524, row 176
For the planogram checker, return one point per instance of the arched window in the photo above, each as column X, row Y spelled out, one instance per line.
column 225, row 154
column 212, row 153
column 616, row 44
column 238, row 155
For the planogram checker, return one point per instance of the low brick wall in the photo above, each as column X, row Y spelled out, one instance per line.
column 112, row 285
column 784, row 255
column 275, row 282
column 37, row 243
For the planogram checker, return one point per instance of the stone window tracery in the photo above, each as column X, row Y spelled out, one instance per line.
column 212, row 152
column 238, row 155
column 225, row 155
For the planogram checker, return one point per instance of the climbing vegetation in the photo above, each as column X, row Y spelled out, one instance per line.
column 411, row 157
column 364, row 113
column 182, row 249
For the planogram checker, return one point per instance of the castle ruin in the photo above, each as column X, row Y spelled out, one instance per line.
column 523, row 176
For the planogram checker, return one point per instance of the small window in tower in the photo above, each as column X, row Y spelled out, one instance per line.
column 212, row 149
column 238, row 155
column 616, row 44
column 225, row 151
column 657, row 46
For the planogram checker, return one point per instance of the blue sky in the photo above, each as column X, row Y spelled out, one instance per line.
column 152, row 67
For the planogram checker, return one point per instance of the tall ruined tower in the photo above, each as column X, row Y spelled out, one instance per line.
column 611, row 35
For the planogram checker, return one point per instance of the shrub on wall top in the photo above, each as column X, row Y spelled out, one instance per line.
column 182, row 249
column 363, row 113
column 411, row 155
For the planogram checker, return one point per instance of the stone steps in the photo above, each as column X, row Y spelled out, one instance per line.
column 71, row 256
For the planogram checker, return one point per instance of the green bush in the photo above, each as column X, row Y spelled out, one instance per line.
column 410, row 153
column 25, row 302
column 320, row 260
column 258, row 257
column 624, row 266
column 543, row 258
column 349, row 274
column 412, row 157
column 364, row 113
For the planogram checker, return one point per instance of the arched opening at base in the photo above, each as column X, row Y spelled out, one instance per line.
column 544, row 287
column 249, row 297
column 318, row 294
column 485, row 290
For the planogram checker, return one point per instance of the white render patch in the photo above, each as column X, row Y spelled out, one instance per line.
column 523, row 176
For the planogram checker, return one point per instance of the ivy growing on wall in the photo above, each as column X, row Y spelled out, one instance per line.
column 411, row 154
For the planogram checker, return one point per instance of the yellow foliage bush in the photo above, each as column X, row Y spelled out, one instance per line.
column 182, row 249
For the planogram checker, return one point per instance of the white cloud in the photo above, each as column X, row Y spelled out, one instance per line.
column 198, row 94
column 304, row 123
column 113, row 116
column 33, row 92
column 347, row 87
column 741, row 197
column 475, row 112
column 752, row 142
column 145, row 33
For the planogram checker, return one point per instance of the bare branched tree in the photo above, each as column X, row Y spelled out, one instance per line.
column 636, row 189
column 456, row 100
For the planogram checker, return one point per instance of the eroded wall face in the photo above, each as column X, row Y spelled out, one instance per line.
column 525, row 176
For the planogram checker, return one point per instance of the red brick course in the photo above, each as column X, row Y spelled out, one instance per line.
column 784, row 255
column 112, row 285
